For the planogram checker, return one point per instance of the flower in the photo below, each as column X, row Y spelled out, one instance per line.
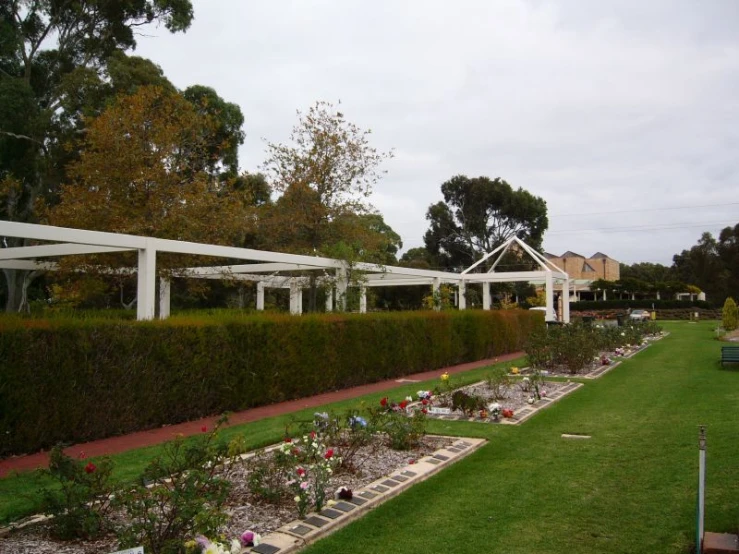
column 383, row 402
column 329, row 454
column 514, row 370
column 300, row 471
column 531, row 400
column 543, row 394
column 288, row 440
column 204, row 428
column 82, row 455
column 411, row 461
column 344, row 493
column 357, row 420
column 483, row 414
column 424, row 411
column 424, row 402
column 409, row 399
column 312, row 434
column 235, row 546
column 202, row 541
column 403, row 404
column 90, row 468
column 304, row 485
column 249, row 538
column 445, row 376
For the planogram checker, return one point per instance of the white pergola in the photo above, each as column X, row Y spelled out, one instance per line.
column 266, row 269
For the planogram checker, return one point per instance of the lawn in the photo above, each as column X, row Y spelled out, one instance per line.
column 631, row 488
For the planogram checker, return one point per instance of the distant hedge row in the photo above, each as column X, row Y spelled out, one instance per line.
column 75, row 381
column 642, row 304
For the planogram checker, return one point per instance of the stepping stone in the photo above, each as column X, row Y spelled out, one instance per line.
column 390, row 483
column 316, row 521
column 343, row 506
column 441, row 457
column 400, row 478
column 367, row 494
column 265, row 548
column 301, row 530
column 380, row 488
column 358, row 501
column 330, row 513
column 409, row 474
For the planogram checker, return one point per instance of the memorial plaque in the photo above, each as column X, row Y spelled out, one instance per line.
column 316, row 521
column 330, row 513
column 265, row 548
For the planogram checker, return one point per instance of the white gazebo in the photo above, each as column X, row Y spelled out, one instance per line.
column 266, row 269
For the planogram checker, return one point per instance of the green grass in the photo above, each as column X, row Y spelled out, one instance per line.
column 630, row 489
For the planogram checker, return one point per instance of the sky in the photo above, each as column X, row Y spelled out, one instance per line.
column 622, row 115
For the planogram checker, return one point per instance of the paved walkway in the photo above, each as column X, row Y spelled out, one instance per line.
column 115, row 445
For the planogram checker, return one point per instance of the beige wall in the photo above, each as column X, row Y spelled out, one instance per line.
column 604, row 268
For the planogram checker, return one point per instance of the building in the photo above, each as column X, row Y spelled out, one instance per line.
column 583, row 271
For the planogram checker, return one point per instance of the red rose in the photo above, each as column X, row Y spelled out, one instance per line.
column 296, row 451
column 313, row 434
column 204, row 428
column 424, row 411
column 288, row 439
column 82, row 455
column 411, row 461
column 403, row 404
column 424, row 401
column 383, row 402
column 329, row 454
column 89, row 468
column 300, row 471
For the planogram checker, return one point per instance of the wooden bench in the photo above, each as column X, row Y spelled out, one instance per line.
column 729, row 354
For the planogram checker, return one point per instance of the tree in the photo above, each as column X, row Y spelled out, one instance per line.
column 479, row 214
column 729, row 314
column 143, row 170
column 702, row 266
column 325, row 175
column 53, row 54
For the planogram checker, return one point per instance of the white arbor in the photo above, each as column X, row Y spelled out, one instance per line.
column 267, row 269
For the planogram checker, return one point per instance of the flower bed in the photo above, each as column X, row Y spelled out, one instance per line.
column 265, row 490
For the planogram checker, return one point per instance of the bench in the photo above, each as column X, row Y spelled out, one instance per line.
column 729, row 354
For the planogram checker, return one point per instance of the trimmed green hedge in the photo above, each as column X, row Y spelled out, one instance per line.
column 72, row 381
column 640, row 304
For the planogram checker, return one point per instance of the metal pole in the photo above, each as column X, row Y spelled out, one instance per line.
column 701, row 486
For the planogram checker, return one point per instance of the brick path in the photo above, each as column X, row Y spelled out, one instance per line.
column 115, row 445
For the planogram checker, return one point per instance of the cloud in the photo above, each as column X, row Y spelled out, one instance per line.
column 595, row 106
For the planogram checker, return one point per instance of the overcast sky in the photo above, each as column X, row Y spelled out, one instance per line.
column 612, row 109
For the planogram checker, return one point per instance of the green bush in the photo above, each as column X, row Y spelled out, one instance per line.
column 646, row 304
column 729, row 315
column 74, row 381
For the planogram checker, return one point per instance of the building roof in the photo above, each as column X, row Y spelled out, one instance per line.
column 570, row 254
column 600, row 255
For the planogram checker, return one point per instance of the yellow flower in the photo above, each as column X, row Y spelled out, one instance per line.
column 514, row 370
column 445, row 376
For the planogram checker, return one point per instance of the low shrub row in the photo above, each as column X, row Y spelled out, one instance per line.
column 75, row 381
column 645, row 304
column 662, row 314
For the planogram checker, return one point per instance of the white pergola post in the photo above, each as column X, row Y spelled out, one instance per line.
column 462, row 298
column 566, row 301
column 329, row 299
column 549, row 295
column 362, row 299
column 260, row 296
column 146, row 287
column 295, row 298
column 604, row 295
column 486, row 296
column 165, row 298
column 435, row 287
column 341, row 287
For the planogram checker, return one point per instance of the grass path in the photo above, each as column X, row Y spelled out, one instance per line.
column 629, row 489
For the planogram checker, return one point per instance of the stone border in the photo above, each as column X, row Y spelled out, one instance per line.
column 300, row 533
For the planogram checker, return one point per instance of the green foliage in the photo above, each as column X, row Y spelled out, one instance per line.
column 184, row 497
column 403, row 431
column 645, row 304
column 498, row 382
column 479, row 214
column 79, row 500
column 467, row 403
column 729, row 315
column 57, row 374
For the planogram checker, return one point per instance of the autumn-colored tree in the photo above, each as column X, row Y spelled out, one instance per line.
column 143, row 170
column 325, row 175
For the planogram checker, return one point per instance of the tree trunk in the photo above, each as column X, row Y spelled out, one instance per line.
column 17, row 282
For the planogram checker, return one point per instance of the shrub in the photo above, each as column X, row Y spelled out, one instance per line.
column 729, row 315
column 498, row 382
column 80, row 501
column 146, row 374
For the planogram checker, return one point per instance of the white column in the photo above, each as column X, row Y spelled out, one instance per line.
column 658, row 298
column 604, row 295
column 146, row 289
column 549, row 296
column 165, row 296
column 329, row 299
column 362, row 299
column 295, row 304
column 486, row 296
column 566, row 301
column 260, row 295
column 462, row 298
column 300, row 300
column 341, row 286
column 436, row 285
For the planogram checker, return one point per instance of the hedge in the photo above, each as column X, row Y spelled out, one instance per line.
column 72, row 381
column 645, row 304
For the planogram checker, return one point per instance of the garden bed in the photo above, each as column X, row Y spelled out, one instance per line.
column 368, row 479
